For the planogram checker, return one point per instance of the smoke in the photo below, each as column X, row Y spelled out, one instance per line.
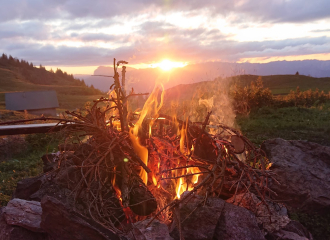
column 219, row 103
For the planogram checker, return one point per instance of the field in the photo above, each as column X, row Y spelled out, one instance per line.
column 69, row 96
column 291, row 123
column 282, row 84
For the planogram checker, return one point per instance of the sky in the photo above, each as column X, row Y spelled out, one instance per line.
column 79, row 35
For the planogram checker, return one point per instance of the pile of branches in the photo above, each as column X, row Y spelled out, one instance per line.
column 106, row 168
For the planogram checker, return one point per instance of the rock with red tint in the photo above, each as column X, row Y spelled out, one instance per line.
column 215, row 219
column 273, row 218
column 62, row 223
column 237, row 223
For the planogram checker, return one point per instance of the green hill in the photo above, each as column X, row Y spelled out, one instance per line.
column 278, row 84
column 20, row 75
column 282, row 84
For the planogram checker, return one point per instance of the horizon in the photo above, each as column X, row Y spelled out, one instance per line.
column 90, row 70
column 80, row 36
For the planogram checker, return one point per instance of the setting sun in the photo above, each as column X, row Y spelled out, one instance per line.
column 167, row 65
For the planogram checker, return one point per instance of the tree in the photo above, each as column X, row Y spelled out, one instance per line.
column 297, row 73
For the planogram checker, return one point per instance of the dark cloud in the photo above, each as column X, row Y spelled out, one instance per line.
column 271, row 10
column 27, row 30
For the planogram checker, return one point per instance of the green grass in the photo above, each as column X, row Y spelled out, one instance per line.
column 282, row 84
column 318, row 225
column 26, row 162
column 292, row 123
column 69, row 97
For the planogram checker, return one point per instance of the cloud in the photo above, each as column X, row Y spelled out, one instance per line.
column 271, row 10
column 84, row 32
column 27, row 30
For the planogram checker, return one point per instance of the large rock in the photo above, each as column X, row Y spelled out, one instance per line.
column 237, row 223
column 273, row 218
column 156, row 230
column 215, row 219
column 303, row 169
column 26, row 214
column 62, row 223
column 28, row 186
column 12, row 232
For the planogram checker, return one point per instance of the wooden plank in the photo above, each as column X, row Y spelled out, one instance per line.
column 30, row 128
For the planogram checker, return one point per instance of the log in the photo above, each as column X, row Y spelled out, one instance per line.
column 141, row 200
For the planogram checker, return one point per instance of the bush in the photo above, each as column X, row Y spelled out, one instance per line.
column 251, row 97
column 307, row 98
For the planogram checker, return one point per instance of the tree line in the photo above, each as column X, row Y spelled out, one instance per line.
column 39, row 75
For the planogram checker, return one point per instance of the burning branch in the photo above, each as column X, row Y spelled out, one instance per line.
column 151, row 165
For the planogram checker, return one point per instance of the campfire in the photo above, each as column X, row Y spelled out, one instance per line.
column 128, row 167
column 145, row 164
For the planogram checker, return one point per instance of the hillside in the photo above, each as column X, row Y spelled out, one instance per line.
column 278, row 84
column 16, row 75
column 282, row 84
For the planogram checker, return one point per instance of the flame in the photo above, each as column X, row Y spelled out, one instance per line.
column 182, row 185
column 183, row 137
column 117, row 125
column 142, row 152
column 176, row 124
column 151, row 106
column 114, row 111
column 194, row 177
column 113, row 182
column 154, row 180
column 182, row 140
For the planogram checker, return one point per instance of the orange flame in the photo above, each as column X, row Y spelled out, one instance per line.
column 117, row 190
column 182, row 140
column 183, row 137
column 151, row 106
column 142, row 152
column 182, row 185
column 154, row 180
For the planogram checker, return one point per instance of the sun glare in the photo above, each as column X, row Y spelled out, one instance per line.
column 167, row 65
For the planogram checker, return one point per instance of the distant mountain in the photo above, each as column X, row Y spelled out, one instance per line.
column 142, row 80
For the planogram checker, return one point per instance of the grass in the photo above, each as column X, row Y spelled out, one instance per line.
column 24, row 163
column 292, row 123
column 318, row 225
column 69, row 97
column 282, row 84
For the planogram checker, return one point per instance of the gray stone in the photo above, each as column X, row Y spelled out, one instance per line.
column 26, row 214
column 303, row 169
column 12, row 232
column 155, row 231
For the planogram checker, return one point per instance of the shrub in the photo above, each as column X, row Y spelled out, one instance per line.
column 251, row 97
